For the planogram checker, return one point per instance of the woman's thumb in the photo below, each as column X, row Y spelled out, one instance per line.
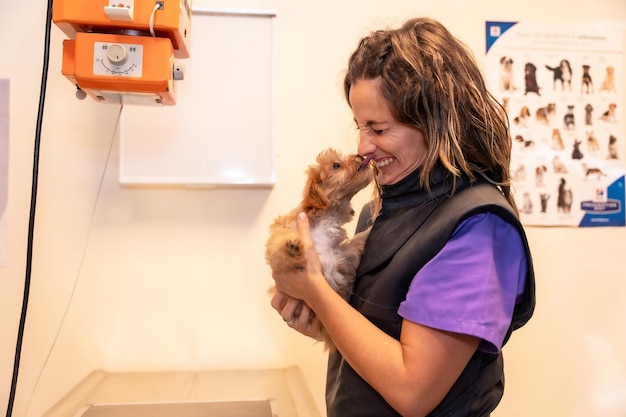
column 303, row 228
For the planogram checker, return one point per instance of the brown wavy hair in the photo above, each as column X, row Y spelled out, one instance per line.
column 431, row 81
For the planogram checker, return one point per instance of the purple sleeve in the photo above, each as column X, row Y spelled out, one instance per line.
column 471, row 285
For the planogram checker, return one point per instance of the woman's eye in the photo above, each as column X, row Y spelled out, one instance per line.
column 378, row 132
column 336, row 165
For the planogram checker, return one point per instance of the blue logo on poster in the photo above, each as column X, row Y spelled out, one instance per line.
column 605, row 213
column 495, row 30
column 610, row 206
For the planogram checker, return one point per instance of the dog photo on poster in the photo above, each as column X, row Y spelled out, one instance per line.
column 561, row 85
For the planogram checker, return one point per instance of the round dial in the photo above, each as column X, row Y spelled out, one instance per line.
column 117, row 54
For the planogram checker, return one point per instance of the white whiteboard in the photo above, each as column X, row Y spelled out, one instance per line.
column 220, row 132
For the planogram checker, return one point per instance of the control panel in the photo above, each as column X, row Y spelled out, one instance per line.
column 118, row 59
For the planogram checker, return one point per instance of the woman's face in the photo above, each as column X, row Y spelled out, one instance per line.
column 397, row 149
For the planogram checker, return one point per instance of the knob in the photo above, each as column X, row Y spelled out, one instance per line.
column 178, row 71
column 116, row 54
column 80, row 94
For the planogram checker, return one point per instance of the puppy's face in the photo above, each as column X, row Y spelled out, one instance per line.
column 506, row 63
column 335, row 178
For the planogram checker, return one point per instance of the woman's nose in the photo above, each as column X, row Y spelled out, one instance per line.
column 366, row 146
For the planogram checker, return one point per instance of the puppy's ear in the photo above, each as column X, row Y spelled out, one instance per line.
column 314, row 197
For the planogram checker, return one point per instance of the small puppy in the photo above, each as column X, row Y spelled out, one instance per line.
column 586, row 85
column 527, row 203
column 564, row 197
column 588, row 114
column 331, row 183
column 562, row 73
column 609, row 114
column 609, row 80
column 545, row 114
column 520, row 173
column 540, row 173
column 530, row 79
column 544, row 197
column 576, row 152
column 523, row 117
column 557, row 140
column 506, row 74
column 613, row 147
column 558, row 165
column 592, row 142
column 569, row 120
column 525, row 144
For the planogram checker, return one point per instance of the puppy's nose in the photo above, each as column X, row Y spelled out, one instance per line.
column 365, row 160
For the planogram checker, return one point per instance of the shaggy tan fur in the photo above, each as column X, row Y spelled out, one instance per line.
column 331, row 183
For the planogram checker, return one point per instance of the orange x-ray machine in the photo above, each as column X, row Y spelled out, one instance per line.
column 125, row 51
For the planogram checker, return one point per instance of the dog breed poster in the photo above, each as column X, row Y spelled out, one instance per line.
column 562, row 87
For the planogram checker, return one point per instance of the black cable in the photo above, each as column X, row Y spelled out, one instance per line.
column 33, row 204
column 82, row 259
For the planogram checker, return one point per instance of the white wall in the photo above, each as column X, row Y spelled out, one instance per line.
column 175, row 278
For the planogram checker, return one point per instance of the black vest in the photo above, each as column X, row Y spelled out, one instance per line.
column 403, row 239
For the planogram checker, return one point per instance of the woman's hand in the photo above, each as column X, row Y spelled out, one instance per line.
column 294, row 286
column 300, row 282
column 297, row 315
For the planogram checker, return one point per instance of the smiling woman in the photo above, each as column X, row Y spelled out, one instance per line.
column 446, row 274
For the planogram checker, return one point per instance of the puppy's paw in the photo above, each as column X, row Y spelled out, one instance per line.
column 293, row 248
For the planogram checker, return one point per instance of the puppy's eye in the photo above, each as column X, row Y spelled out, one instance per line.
column 336, row 165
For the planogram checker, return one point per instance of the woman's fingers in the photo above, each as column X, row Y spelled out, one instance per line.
column 278, row 300
column 307, row 323
column 289, row 308
column 297, row 315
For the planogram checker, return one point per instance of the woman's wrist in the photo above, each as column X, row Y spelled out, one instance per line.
column 319, row 294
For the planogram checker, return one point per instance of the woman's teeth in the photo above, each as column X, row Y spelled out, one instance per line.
column 384, row 162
